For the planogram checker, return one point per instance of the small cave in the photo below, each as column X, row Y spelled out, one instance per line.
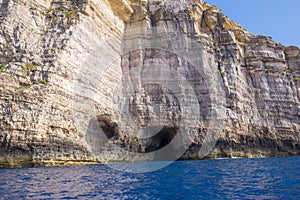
column 109, row 128
column 161, row 140
column 99, row 132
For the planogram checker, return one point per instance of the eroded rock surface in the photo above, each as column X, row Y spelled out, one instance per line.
column 63, row 70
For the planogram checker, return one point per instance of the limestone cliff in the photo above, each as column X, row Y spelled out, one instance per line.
column 62, row 66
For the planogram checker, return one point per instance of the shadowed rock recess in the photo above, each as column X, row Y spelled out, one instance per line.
column 49, row 65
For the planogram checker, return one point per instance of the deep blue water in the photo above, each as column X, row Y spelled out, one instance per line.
column 272, row 178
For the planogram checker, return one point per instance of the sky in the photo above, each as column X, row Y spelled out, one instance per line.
column 278, row 19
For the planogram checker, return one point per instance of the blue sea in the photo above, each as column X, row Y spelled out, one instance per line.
column 270, row 178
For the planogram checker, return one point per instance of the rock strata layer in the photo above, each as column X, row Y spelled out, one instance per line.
column 66, row 66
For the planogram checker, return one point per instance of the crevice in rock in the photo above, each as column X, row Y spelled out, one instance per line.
column 204, row 23
column 151, row 15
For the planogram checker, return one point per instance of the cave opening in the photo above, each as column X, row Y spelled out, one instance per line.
column 162, row 140
column 100, row 131
column 109, row 129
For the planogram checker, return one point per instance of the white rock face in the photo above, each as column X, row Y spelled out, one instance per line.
column 96, row 81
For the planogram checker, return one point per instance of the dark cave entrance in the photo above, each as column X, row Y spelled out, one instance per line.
column 160, row 141
column 109, row 129
column 98, row 139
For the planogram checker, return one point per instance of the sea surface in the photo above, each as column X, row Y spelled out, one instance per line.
column 271, row 178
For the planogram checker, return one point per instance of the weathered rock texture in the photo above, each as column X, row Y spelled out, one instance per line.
column 49, row 66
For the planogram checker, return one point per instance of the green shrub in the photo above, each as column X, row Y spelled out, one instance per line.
column 68, row 14
column 2, row 67
column 269, row 69
column 215, row 42
column 23, row 87
column 296, row 79
column 26, row 70
column 30, row 66
column 44, row 82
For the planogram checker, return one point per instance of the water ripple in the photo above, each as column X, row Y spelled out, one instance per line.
column 273, row 178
